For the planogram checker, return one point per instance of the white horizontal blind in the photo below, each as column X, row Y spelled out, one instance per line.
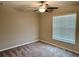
column 64, row 28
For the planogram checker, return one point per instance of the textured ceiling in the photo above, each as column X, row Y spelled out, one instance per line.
column 31, row 5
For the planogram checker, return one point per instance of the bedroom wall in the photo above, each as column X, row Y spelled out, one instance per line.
column 17, row 27
column 46, row 27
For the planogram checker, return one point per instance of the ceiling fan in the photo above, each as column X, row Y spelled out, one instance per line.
column 45, row 7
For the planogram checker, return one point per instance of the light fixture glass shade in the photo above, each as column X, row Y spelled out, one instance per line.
column 42, row 9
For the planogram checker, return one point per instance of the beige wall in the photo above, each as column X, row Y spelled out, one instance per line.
column 46, row 27
column 17, row 27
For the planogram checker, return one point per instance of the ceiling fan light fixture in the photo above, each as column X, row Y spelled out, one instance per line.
column 42, row 8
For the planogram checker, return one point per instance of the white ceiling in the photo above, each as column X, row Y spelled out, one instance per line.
column 32, row 5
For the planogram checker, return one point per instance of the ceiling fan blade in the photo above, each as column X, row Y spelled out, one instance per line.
column 35, row 10
column 52, row 7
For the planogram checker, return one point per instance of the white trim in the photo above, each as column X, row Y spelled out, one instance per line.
column 77, row 52
column 18, row 45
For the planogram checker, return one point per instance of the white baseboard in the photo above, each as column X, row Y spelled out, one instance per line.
column 18, row 45
column 77, row 52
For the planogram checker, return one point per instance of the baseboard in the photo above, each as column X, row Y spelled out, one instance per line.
column 61, row 47
column 18, row 45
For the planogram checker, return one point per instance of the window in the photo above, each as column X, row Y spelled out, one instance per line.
column 64, row 28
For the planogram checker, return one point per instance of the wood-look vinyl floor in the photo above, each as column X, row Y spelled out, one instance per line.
column 37, row 49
